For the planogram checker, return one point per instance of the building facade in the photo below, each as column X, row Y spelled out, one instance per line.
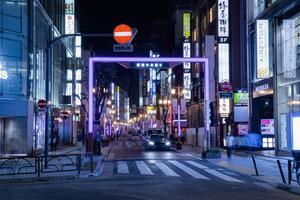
column 26, row 28
column 274, row 42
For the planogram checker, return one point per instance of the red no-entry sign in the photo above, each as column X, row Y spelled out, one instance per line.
column 42, row 104
column 123, row 34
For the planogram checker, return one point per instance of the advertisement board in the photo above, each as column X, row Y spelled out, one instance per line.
column 243, row 129
column 262, row 49
column 267, row 126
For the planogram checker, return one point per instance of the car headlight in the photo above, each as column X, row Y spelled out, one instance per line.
column 168, row 143
column 151, row 143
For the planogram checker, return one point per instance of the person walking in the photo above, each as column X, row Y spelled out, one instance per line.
column 229, row 144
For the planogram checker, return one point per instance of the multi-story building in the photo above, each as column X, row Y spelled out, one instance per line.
column 274, row 63
column 26, row 28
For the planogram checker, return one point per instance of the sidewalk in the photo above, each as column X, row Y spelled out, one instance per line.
column 62, row 159
column 242, row 163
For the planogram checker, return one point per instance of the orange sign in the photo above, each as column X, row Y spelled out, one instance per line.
column 123, row 34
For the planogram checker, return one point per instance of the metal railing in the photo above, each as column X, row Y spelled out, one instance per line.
column 293, row 168
column 35, row 165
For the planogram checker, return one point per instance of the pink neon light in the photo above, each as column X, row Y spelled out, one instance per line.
column 178, row 60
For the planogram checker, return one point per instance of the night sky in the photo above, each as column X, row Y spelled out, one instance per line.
column 102, row 16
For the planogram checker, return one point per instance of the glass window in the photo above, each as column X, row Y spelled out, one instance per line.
column 69, row 75
column 69, row 89
column 288, row 79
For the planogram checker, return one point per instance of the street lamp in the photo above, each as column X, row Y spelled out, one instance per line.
column 164, row 103
column 179, row 94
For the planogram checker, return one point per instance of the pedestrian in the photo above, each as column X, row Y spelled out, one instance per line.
column 229, row 144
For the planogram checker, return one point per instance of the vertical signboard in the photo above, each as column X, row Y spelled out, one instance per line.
column 262, row 49
column 223, row 51
column 187, row 54
column 69, row 19
column 223, row 18
column 223, row 45
column 289, row 48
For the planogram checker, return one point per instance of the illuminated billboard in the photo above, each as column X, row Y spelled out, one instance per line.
column 262, row 49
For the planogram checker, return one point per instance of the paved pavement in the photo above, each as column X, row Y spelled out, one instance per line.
column 242, row 162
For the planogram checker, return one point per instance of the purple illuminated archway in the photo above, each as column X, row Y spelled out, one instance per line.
column 177, row 60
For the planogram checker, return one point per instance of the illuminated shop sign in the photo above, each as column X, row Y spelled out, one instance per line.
column 240, row 98
column 223, row 46
column 69, row 19
column 186, row 25
column 3, row 73
column 223, row 18
column 224, row 106
column 262, row 49
column 223, row 51
column 187, row 54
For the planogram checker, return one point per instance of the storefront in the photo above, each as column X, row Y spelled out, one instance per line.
column 288, row 81
column 274, row 47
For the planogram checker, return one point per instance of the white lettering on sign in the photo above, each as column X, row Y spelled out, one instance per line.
column 262, row 87
column 3, row 73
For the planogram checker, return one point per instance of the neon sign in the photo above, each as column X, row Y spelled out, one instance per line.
column 3, row 73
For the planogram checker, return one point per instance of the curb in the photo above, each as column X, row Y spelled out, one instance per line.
column 38, row 179
column 289, row 188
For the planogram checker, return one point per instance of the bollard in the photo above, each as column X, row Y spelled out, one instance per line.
column 254, row 163
column 281, row 172
column 289, row 171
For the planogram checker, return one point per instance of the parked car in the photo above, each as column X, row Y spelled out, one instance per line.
column 157, row 142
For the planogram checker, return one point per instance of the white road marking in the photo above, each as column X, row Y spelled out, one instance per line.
column 190, row 155
column 214, row 172
column 122, row 167
column 143, row 168
column 165, row 169
column 188, row 170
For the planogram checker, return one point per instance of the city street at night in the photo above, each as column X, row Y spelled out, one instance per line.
column 132, row 173
column 150, row 99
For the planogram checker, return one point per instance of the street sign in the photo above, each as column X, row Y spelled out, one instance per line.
column 225, row 86
column 122, row 48
column 123, row 34
column 42, row 104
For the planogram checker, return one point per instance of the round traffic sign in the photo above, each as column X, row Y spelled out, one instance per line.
column 42, row 103
column 225, row 86
column 123, row 34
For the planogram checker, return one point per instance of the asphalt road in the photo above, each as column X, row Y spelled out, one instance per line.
column 132, row 173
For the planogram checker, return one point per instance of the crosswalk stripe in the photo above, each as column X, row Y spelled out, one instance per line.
column 122, row 167
column 188, row 170
column 214, row 172
column 165, row 169
column 143, row 168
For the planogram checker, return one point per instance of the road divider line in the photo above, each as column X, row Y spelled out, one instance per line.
column 122, row 167
column 143, row 168
column 188, row 170
column 214, row 172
